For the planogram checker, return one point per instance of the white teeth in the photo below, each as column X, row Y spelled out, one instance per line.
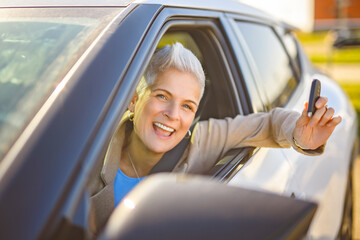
column 164, row 127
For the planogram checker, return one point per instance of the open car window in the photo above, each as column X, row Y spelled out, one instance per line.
column 220, row 98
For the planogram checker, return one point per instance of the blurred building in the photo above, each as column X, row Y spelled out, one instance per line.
column 330, row 14
column 310, row 15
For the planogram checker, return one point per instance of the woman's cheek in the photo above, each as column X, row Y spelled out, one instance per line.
column 189, row 119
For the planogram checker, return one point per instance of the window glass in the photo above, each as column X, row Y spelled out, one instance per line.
column 272, row 63
column 37, row 49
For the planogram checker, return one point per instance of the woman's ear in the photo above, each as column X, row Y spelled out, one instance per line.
column 131, row 105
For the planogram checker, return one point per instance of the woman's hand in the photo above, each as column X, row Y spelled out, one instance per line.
column 312, row 132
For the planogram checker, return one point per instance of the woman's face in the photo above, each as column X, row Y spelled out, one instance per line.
column 164, row 113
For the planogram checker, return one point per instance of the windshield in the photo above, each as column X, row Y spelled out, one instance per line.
column 37, row 48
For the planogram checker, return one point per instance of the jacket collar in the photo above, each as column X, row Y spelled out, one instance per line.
column 113, row 153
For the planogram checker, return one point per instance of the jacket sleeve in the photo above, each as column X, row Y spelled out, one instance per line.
column 213, row 138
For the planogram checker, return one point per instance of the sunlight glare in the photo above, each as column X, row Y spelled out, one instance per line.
column 129, row 203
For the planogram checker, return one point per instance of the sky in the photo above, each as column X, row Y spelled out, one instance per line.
column 299, row 13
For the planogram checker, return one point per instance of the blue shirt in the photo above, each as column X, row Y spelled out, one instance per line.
column 122, row 185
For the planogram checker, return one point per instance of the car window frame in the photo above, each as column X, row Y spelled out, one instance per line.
column 269, row 104
column 274, row 26
column 245, row 67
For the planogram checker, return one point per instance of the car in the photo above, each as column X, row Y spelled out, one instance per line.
column 68, row 70
column 346, row 38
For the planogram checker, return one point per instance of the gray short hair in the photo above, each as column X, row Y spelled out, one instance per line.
column 172, row 56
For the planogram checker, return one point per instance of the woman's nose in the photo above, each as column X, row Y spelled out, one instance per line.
column 172, row 112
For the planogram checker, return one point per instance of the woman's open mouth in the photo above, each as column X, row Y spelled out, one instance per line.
column 163, row 130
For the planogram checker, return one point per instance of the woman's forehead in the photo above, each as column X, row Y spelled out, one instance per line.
column 179, row 82
column 173, row 76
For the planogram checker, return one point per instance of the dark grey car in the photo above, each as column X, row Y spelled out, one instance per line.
column 67, row 73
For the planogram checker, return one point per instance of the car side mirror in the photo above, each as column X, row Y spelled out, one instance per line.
column 172, row 206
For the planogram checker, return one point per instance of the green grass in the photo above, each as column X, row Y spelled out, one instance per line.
column 314, row 37
column 337, row 56
column 353, row 91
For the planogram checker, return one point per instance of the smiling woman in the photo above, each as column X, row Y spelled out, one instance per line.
column 158, row 118
column 161, row 117
column 167, row 109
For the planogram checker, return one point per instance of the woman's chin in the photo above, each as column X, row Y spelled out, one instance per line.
column 161, row 149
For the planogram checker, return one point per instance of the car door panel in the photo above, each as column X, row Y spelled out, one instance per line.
column 267, row 170
column 323, row 177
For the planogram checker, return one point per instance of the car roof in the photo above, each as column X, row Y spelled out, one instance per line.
column 64, row 3
column 219, row 5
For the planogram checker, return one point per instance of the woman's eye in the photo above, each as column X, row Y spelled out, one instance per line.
column 161, row 96
column 187, row 106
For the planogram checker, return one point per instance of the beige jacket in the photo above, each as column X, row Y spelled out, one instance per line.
column 210, row 140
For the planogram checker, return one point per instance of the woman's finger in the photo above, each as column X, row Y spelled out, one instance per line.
column 306, row 105
column 334, row 121
column 315, row 119
column 329, row 113
column 321, row 102
column 304, row 119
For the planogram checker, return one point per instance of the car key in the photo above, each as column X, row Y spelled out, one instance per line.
column 314, row 96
